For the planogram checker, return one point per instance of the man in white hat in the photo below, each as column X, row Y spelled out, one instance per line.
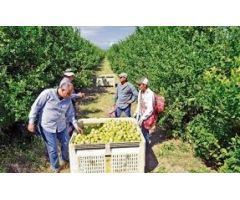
column 126, row 94
column 69, row 77
column 145, row 107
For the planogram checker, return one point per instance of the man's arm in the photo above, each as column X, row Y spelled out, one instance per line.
column 136, row 114
column 70, row 115
column 36, row 108
column 134, row 94
column 149, row 110
column 78, row 95
column 116, row 96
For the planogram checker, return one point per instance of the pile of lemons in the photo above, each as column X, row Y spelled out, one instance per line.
column 110, row 132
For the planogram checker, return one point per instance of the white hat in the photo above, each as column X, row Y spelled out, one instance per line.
column 143, row 80
column 123, row 74
column 68, row 73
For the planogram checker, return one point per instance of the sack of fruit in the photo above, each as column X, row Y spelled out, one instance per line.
column 150, row 121
column 159, row 104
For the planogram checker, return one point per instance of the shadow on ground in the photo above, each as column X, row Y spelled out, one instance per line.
column 157, row 137
column 92, row 94
column 94, row 103
column 84, row 113
column 18, row 167
column 95, row 90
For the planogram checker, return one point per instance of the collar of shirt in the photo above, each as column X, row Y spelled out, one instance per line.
column 146, row 91
column 58, row 96
column 122, row 86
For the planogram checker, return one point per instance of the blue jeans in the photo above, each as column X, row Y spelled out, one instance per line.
column 126, row 110
column 51, row 143
column 146, row 134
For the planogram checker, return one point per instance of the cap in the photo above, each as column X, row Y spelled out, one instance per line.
column 143, row 80
column 123, row 74
column 68, row 72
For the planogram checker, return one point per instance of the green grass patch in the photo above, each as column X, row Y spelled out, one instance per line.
column 23, row 157
column 176, row 156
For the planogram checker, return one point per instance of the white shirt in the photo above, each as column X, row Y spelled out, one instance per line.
column 145, row 105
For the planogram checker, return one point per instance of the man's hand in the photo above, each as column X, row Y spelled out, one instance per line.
column 140, row 122
column 80, row 94
column 129, row 102
column 79, row 130
column 31, row 128
column 135, row 115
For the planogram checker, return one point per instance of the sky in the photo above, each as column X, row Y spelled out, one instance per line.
column 105, row 36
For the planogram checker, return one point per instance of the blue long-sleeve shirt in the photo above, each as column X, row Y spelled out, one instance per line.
column 53, row 113
column 125, row 93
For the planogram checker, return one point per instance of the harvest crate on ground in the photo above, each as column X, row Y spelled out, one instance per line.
column 106, row 80
column 112, row 157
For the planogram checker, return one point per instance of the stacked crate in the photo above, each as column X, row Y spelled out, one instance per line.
column 106, row 80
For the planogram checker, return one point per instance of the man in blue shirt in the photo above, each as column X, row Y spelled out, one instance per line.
column 126, row 94
column 69, row 77
column 53, row 109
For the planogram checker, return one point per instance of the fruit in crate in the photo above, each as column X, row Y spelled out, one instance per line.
column 111, row 131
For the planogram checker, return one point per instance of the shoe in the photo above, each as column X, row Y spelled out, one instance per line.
column 56, row 170
column 64, row 164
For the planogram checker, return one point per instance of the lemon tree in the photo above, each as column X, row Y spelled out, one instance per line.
column 196, row 69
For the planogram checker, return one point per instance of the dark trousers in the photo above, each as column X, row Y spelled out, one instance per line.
column 126, row 110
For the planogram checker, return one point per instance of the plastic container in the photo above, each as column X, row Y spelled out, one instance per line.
column 121, row 157
column 106, row 80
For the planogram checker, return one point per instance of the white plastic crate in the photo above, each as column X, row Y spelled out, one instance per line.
column 113, row 157
column 106, row 80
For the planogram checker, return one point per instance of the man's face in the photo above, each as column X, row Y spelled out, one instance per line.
column 122, row 79
column 71, row 78
column 66, row 92
column 142, row 86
